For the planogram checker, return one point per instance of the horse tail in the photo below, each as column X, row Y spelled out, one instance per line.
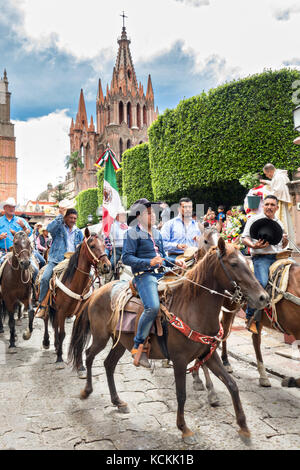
column 52, row 312
column 80, row 337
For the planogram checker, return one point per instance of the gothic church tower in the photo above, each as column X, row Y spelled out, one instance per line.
column 123, row 116
column 8, row 161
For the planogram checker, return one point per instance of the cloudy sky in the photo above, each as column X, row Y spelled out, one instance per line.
column 53, row 48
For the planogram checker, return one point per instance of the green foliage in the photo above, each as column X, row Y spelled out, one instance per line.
column 86, row 204
column 60, row 193
column 249, row 180
column 136, row 174
column 74, row 161
column 210, row 141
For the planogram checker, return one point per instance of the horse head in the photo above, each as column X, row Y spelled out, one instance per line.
column 96, row 251
column 22, row 250
column 234, row 275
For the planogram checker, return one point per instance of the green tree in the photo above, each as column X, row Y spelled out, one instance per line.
column 60, row 193
column 73, row 162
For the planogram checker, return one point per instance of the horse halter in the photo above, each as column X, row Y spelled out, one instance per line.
column 237, row 296
column 93, row 258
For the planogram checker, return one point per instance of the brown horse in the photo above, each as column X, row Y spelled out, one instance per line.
column 91, row 252
column 221, row 269
column 16, row 284
column 288, row 316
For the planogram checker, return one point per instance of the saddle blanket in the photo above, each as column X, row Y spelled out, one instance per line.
column 121, row 297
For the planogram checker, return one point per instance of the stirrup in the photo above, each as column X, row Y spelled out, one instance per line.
column 41, row 312
column 251, row 326
column 140, row 358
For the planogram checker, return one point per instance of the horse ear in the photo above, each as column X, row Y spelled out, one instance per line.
column 87, row 232
column 222, row 246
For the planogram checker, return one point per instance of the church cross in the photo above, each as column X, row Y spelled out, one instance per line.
column 124, row 16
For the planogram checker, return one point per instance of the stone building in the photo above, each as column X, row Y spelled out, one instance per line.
column 8, row 161
column 123, row 116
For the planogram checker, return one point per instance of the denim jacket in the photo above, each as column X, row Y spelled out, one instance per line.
column 139, row 249
column 59, row 239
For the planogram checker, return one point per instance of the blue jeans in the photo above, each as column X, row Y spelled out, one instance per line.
column 44, row 285
column 261, row 264
column 41, row 260
column 146, row 285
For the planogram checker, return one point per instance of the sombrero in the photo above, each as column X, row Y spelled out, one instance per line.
column 138, row 207
column 266, row 229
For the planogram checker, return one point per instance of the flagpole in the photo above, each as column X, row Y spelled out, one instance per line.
column 114, row 249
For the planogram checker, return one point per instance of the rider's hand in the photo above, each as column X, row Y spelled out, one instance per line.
column 3, row 235
column 181, row 246
column 180, row 263
column 285, row 240
column 13, row 232
column 260, row 244
column 21, row 223
column 157, row 260
column 62, row 211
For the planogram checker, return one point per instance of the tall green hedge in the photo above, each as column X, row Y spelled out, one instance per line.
column 136, row 174
column 209, row 141
column 86, row 204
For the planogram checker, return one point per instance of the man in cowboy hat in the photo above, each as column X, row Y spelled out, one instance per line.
column 65, row 238
column 144, row 252
column 9, row 225
column 264, row 235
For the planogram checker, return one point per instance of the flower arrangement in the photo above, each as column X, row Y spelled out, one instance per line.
column 232, row 227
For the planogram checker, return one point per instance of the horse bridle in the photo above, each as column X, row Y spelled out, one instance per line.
column 93, row 258
column 237, row 296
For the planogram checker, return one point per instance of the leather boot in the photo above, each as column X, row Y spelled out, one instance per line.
column 41, row 312
column 251, row 325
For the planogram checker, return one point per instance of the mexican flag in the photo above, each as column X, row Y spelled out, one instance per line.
column 112, row 204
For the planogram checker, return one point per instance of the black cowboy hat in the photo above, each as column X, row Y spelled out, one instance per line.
column 266, row 229
column 138, row 207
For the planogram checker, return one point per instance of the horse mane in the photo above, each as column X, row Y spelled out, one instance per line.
column 73, row 263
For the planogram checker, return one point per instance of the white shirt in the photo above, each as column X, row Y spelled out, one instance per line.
column 269, row 250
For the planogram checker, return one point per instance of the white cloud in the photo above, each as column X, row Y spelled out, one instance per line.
column 41, row 146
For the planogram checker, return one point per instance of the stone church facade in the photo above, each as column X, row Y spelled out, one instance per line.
column 123, row 116
column 8, row 161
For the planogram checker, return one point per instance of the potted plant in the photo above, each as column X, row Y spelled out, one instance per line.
column 250, row 181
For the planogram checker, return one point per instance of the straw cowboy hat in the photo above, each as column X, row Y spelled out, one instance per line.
column 42, row 229
column 10, row 202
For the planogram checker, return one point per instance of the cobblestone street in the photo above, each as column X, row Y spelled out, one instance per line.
column 41, row 408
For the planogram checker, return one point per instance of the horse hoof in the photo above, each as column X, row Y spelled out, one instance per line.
column 198, row 387
column 228, row 368
column 84, row 394
column 60, row 365
column 81, row 374
column 245, row 436
column 26, row 335
column 12, row 350
column 213, row 400
column 190, row 440
column 264, row 382
column 165, row 363
column 46, row 346
column 123, row 408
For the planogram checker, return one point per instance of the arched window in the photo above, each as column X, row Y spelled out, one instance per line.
column 138, row 115
column 128, row 144
column 121, row 148
column 108, row 115
column 129, row 117
column 81, row 151
column 144, row 116
column 121, row 112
